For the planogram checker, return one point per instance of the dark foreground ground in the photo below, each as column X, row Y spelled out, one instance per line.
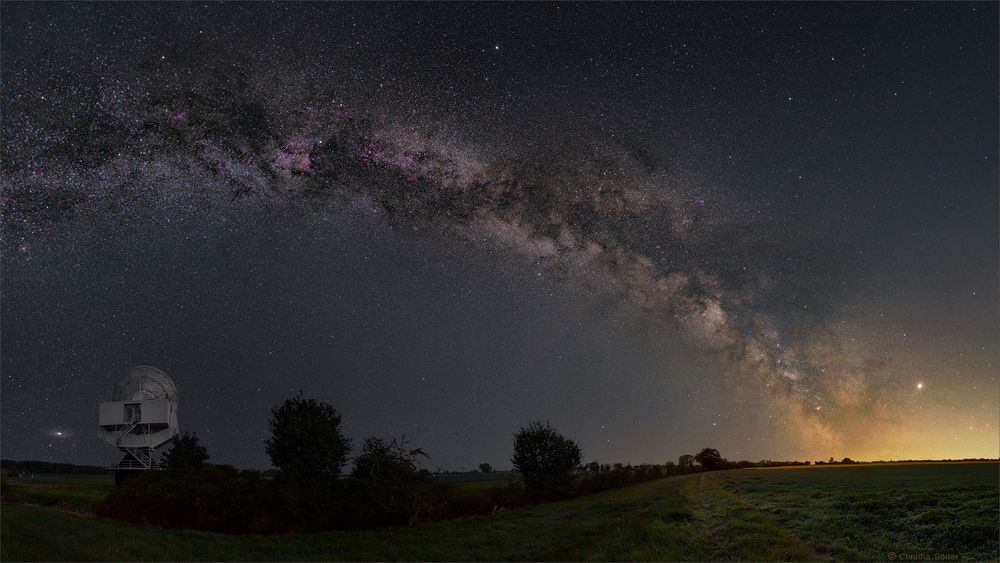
column 897, row 512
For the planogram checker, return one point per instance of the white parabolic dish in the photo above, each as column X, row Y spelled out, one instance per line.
column 144, row 383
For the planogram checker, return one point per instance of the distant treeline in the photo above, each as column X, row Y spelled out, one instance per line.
column 966, row 459
column 11, row 467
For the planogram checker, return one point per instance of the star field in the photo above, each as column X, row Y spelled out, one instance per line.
column 769, row 229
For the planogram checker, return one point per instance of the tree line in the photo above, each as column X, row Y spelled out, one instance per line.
column 312, row 492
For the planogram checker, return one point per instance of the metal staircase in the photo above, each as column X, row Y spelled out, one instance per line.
column 127, row 431
column 136, row 457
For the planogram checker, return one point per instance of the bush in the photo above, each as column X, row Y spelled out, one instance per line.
column 383, row 491
column 452, row 503
column 187, row 453
column 606, row 477
column 546, row 459
column 210, row 498
column 388, row 473
column 220, row 499
column 306, row 442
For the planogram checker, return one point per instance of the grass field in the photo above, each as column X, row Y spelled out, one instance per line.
column 67, row 479
column 942, row 512
column 78, row 493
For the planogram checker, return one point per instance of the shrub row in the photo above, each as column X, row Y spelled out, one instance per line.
column 221, row 499
column 607, row 477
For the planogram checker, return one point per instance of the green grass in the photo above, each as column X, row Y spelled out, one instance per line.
column 78, row 493
column 67, row 479
column 866, row 512
column 926, row 511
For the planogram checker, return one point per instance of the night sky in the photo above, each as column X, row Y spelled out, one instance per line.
column 768, row 229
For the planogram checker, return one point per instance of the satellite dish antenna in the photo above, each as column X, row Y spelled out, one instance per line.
column 140, row 417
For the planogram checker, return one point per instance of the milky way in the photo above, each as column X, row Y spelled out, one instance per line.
column 746, row 256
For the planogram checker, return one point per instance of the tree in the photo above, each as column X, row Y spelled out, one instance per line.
column 187, row 453
column 685, row 462
column 306, row 442
column 709, row 458
column 485, row 468
column 546, row 459
column 388, row 471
